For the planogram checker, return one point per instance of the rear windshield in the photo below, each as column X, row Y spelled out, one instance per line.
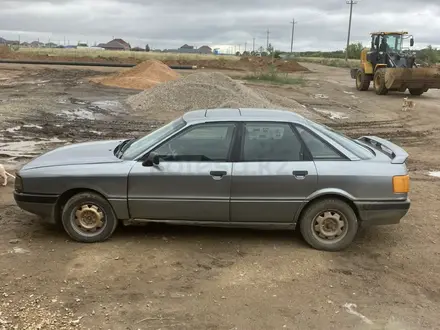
column 351, row 145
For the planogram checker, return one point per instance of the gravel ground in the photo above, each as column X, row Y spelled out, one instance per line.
column 169, row 277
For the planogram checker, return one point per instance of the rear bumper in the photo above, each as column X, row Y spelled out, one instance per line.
column 41, row 205
column 382, row 213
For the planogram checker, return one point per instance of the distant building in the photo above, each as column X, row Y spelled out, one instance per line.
column 50, row 45
column 205, row 50
column 36, row 44
column 116, row 44
column 187, row 49
column 3, row 41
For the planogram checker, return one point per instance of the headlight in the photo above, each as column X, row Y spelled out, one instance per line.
column 18, row 183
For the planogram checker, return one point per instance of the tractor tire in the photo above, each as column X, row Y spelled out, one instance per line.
column 416, row 91
column 379, row 82
column 362, row 81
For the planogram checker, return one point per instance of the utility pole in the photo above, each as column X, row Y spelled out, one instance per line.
column 351, row 3
column 268, row 33
column 293, row 33
column 245, row 46
column 253, row 45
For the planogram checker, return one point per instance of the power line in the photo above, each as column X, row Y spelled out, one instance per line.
column 351, row 3
column 293, row 33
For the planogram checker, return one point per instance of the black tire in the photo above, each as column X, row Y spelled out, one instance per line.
column 311, row 219
column 362, row 81
column 379, row 82
column 416, row 91
column 97, row 207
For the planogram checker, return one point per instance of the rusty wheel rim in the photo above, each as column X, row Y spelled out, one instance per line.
column 330, row 226
column 88, row 219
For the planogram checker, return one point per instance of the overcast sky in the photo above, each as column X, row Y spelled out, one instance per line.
column 322, row 24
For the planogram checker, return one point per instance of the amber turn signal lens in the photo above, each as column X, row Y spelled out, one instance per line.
column 401, row 184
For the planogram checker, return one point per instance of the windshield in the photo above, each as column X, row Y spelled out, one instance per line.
column 138, row 146
column 348, row 143
column 394, row 42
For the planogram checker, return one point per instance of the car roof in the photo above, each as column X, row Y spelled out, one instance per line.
column 241, row 114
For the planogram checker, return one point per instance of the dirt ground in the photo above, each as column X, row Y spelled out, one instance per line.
column 167, row 277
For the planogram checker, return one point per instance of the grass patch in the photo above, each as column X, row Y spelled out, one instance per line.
column 91, row 53
column 334, row 62
column 275, row 77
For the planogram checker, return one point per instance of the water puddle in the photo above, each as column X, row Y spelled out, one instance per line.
column 106, row 105
column 25, row 149
column 435, row 174
column 78, row 114
column 333, row 114
column 17, row 128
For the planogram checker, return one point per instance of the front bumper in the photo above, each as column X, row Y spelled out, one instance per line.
column 382, row 213
column 41, row 205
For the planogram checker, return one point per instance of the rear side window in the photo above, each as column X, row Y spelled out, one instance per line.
column 319, row 149
column 271, row 142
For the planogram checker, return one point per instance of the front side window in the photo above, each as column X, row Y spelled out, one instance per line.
column 201, row 143
column 271, row 142
column 148, row 141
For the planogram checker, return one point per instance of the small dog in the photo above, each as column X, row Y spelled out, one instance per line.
column 4, row 175
column 408, row 104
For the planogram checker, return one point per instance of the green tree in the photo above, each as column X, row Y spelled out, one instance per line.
column 354, row 50
column 429, row 54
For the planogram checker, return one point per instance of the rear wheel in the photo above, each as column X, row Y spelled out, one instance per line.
column 329, row 225
column 379, row 82
column 88, row 218
column 416, row 91
column 362, row 81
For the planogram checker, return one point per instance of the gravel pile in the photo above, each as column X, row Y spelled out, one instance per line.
column 197, row 91
column 143, row 76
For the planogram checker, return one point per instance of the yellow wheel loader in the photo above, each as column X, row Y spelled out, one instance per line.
column 391, row 68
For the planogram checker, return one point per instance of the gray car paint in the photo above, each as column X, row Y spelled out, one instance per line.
column 187, row 192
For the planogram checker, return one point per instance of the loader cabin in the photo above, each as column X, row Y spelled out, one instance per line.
column 386, row 49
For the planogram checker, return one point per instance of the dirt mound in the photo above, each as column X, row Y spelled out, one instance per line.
column 197, row 91
column 4, row 50
column 243, row 64
column 142, row 76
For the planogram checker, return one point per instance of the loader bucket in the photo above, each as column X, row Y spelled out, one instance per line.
column 399, row 79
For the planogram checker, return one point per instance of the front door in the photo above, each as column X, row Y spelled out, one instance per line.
column 192, row 180
column 273, row 178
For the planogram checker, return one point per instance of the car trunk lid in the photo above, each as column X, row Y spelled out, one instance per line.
column 395, row 153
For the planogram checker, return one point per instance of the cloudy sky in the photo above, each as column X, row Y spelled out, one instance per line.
column 322, row 24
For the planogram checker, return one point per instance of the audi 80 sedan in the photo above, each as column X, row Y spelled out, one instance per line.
column 223, row 167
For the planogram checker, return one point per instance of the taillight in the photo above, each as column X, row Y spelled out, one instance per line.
column 401, row 184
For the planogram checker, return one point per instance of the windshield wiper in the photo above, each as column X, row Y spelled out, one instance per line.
column 125, row 145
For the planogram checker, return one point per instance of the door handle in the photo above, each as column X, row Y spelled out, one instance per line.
column 218, row 173
column 300, row 174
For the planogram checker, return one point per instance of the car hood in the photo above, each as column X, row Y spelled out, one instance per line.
column 98, row 152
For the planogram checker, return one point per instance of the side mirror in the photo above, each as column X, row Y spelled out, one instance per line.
column 411, row 42
column 152, row 160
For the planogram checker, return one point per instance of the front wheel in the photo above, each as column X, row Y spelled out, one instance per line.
column 379, row 82
column 416, row 91
column 88, row 218
column 329, row 225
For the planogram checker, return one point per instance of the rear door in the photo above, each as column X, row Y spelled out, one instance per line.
column 273, row 176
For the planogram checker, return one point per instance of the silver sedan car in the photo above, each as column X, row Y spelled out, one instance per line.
column 223, row 167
